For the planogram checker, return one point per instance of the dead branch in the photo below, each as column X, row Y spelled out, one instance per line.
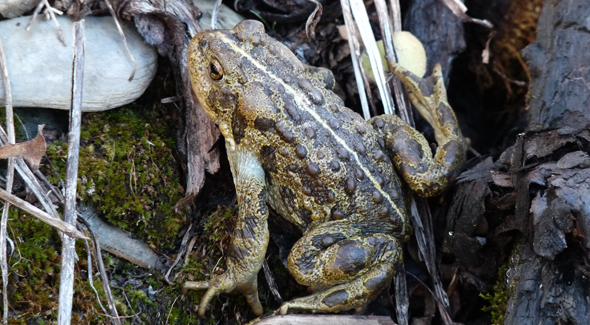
column 9, row 181
column 68, row 252
column 41, row 215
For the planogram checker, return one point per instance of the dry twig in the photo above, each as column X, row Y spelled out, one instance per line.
column 103, row 274
column 68, row 252
column 215, row 13
column 122, row 34
column 9, row 181
column 41, row 215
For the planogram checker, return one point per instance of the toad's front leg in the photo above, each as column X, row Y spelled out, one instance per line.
column 250, row 237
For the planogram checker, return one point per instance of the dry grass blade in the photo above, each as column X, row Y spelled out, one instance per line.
column 362, row 20
column 181, row 251
column 387, row 29
column 355, row 52
column 32, row 151
column 271, row 282
column 103, row 275
column 425, row 238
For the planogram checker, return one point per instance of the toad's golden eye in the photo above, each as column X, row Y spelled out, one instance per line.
column 215, row 70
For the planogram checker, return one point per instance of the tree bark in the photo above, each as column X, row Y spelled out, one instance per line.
column 559, row 66
column 530, row 209
column 549, row 272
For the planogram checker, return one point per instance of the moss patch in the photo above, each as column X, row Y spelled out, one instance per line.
column 128, row 172
column 498, row 298
column 35, row 275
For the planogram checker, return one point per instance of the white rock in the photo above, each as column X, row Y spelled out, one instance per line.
column 40, row 66
column 15, row 8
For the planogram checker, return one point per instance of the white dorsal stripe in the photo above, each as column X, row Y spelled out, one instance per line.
column 304, row 104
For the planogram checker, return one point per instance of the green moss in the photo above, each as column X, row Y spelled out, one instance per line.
column 128, row 171
column 218, row 227
column 18, row 127
column 498, row 298
column 35, row 268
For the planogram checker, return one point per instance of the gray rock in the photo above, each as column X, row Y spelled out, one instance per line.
column 15, row 8
column 40, row 66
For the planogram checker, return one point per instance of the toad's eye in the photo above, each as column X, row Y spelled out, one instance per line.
column 215, row 70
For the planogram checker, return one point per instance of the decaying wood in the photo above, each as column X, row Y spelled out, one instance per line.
column 530, row 207
column 169, row 26
column 558, row 63
column 444, row 34
column 550, row 272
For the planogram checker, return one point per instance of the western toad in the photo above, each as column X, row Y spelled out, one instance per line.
column 294, row 147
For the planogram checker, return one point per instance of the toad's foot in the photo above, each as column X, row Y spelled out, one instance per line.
column 226, row 283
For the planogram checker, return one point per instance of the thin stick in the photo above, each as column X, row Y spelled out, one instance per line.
column 56, row 223
column 103, row 275
column 49, row 9
column 122, row 34
column 9, row 181
column 25, row 172
column 182, row 251
column 215, row 14
column 91, row 274
column 34, row 16
column 68, row 252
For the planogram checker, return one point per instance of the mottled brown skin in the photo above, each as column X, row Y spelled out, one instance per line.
column 293, row 146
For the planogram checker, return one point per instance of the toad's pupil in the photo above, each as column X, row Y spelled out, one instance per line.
column 215, row 70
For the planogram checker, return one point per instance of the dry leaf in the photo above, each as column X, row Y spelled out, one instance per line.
column 32, row 151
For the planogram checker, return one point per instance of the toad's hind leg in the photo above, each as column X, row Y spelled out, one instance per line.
column 427, row 175
column 347, row 270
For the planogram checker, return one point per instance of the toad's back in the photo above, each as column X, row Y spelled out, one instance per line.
column 321, row 160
